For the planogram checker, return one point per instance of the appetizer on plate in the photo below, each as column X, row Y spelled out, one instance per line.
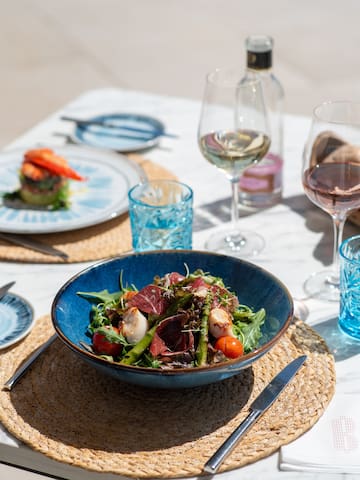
column 44, row 179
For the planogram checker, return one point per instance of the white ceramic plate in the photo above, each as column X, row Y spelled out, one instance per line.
column 101, row 197
column 17, row 319
column 118, row 139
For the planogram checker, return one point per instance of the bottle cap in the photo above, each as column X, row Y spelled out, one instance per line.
column 259, row 51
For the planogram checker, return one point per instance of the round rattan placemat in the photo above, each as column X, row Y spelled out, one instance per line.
column 70, row 412
column 105, row 240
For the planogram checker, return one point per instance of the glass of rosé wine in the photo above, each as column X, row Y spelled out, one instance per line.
column 233, row 135
column 331, row 179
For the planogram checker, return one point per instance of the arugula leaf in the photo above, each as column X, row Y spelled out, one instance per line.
column 210, row 279
column 251, row 332
column 103, row 296
column 112, row 336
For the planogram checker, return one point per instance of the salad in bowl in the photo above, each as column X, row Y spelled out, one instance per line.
column 177, row 321
column 172, row 318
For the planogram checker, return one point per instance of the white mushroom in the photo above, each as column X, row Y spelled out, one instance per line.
column 220, row 323
column 134, row 325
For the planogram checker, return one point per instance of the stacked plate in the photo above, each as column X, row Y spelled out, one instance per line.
column 122, row 132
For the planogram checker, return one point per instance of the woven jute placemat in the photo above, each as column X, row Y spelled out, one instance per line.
column 67, row 410
column 100, row 241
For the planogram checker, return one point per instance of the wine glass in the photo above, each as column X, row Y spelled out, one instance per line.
column 331, row 179
column 233, row 134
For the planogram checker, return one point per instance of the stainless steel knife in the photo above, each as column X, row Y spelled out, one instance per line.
column 257, row 408
column 20, row 372
column 5, row 288
column 36, row 245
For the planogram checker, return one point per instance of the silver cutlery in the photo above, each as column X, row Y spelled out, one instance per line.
column 36, row 245
column 108, row 124
column 9, row 384
column 257, row 408
column 5, row 288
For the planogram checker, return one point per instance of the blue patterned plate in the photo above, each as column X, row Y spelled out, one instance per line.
column 102, row 197
column 16, row 319
column 141, row 132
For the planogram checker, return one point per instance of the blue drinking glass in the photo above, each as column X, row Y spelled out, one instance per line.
column 349, row 319
column 161, row 215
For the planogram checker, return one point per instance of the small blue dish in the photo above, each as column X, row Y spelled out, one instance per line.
column 253, row 285
column 133, row 132
column 17, row 319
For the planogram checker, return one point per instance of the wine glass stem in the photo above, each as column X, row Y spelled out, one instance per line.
column 236, row 238
column 338, row 224
column 234, row 204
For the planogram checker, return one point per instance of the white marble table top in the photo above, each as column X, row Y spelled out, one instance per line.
column 298, row 235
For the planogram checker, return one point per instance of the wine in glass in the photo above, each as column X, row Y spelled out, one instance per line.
column 331, row 179
column 233, row 134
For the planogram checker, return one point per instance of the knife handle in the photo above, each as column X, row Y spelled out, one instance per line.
column 25, row 366
column 212, row 465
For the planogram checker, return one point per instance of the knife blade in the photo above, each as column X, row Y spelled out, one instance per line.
column 27, row 242
column 258, row 407
column 5, row 288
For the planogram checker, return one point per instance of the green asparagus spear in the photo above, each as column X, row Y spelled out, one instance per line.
column 201, row 352
column 135, row 353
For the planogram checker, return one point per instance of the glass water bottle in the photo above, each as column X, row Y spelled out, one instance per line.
column 261, row 185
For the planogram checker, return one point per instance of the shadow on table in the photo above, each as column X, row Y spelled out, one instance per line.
column 215, row 213
column 341, row 345
column 211, row 214
column 318, row 221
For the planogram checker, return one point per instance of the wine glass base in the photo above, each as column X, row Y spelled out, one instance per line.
column 244, row 244
column 320, row 286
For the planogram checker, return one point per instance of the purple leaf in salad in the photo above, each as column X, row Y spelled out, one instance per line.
column 170, row 337
column 149, row 299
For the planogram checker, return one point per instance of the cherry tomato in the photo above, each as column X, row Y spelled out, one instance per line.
column 102, row 346
column 230, row 346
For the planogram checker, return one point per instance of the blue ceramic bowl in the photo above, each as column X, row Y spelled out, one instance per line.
column 254, row 286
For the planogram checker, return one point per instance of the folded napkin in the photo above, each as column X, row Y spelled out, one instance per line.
column 332, row 445
column 6, row 438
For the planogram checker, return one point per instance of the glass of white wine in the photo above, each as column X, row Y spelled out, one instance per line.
column 233, row 134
